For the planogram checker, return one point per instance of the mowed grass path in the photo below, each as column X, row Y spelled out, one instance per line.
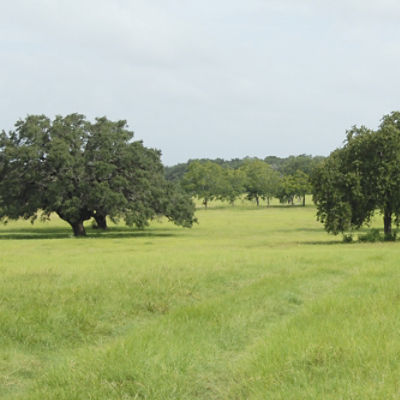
column 249, row 304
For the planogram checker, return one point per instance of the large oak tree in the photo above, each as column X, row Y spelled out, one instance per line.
column 81, row 170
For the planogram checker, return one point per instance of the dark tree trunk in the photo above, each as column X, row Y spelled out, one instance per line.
column 304, row 200
column 205, row 203
column 387, row 222
column 268, row 201
column 101, row 221
column 257, row 201
column 78, row 228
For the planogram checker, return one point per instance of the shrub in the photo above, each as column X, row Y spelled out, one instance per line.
column 372, row 236
column 347, row 238
column 390, row 237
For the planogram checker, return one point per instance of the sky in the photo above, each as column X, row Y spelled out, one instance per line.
column 196, row 79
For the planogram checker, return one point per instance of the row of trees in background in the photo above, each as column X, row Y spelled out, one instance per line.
column 255, row 178
column 283, row 165
column 82, row 170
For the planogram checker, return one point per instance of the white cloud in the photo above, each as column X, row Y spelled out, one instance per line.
column 225, row 78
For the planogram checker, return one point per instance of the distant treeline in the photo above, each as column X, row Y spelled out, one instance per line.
column 284, row 178
column 284, row 165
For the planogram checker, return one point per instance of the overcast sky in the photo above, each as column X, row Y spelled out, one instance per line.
column 221, row 78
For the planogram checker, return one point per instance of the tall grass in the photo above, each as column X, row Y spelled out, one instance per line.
column 252, row 303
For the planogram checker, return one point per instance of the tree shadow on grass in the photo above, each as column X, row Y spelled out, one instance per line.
column 288, row 206
column 65, row 233
column 324, row 242
column 290, row 229
column 252, row 207
column 339, row 240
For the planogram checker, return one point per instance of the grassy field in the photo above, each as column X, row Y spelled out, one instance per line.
column 249, row 304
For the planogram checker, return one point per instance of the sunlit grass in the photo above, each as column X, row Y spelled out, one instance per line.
column 252, row 303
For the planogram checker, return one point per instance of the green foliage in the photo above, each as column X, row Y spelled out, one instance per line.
column 390, row 237
column 249, row 175
column 261, row 181
column 292, row 164
column 234, row 184
column 375, row 235
column 361, row 177
column 302, row 183
column 371, row 236
column 286, row 189
column 330, row 194
column 175, row 204
column 205, row 180
column 81, row 170
column 347, row 238
column 275, row 162
column 284, row 166
column 176, row 172
column 291, row 186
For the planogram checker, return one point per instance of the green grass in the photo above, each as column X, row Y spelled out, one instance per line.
column 249, row 304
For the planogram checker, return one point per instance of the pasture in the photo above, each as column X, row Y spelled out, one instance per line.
column 249, row 304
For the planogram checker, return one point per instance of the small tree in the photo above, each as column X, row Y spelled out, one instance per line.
column 362, row 176
column 261, row 180
column 205, row 180
column 233, row 184
column 302, row 185
column 287, row 189
column 273, row 181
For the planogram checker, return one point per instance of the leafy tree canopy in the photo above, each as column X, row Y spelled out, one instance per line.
column 284, row 165
column 81, row 170
column 205, row 180
column 361, row 177
column 261, row 180
column 303, row 162
column 234, row 184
